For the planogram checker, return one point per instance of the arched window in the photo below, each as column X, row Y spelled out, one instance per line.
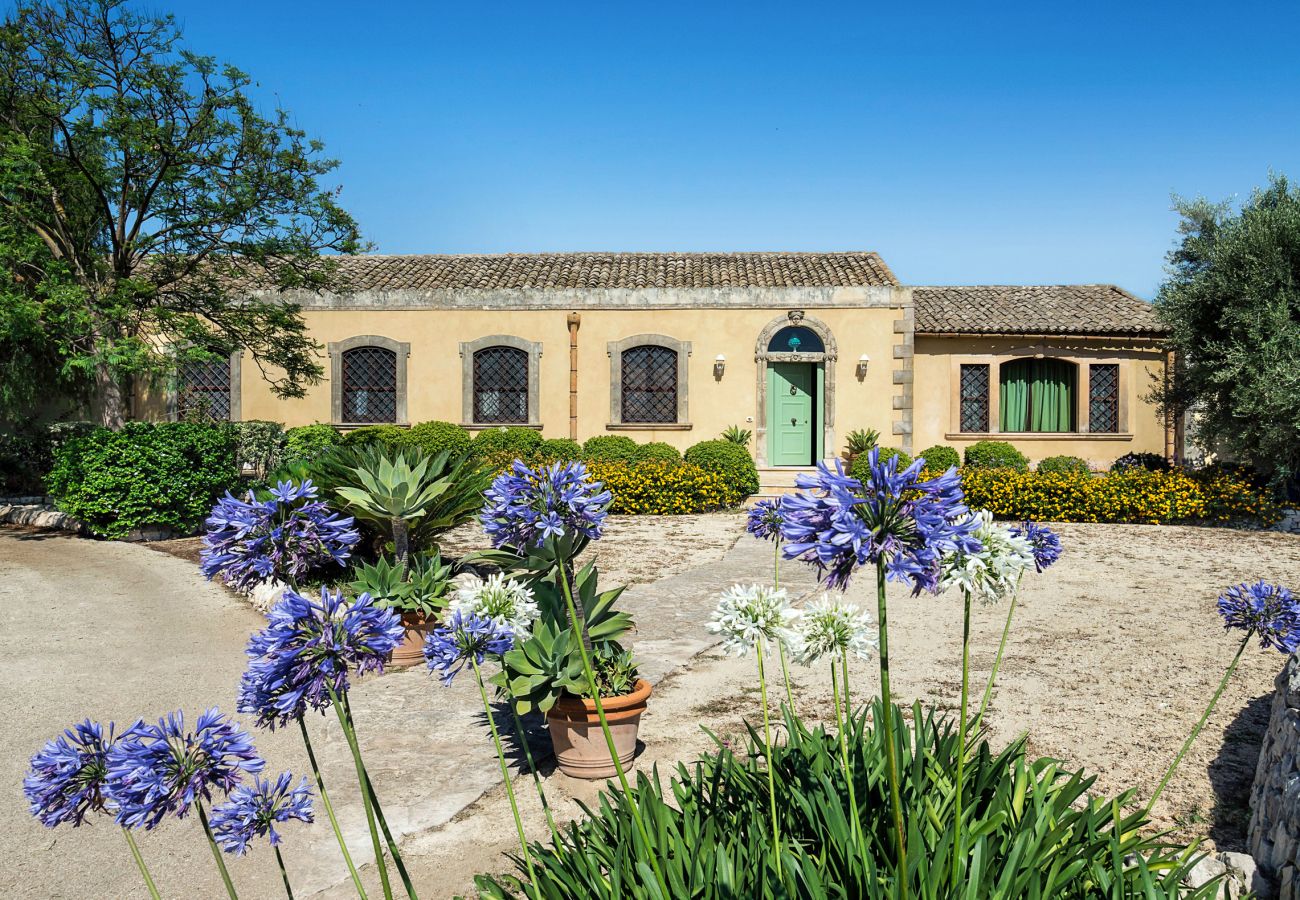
column 501, row 386
column 369, row 387
column 203, row 389
column 796, row 339
column 649, row 384
column 1038, row 395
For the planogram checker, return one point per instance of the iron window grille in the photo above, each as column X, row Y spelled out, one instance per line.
column 975, row 398
column 204, row 390
column 1103, row 398
column 369, row 385
column 650, row 384
column 501, row 386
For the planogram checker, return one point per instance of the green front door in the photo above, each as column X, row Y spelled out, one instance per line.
column 790, row 408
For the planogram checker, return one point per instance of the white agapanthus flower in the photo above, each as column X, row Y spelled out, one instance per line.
column 831, row 626
column 993, row 573
column 506, row 602
column 747, row 614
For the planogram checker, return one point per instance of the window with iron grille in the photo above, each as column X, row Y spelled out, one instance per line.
column 203, row 390
column 369, row 385
column 975, row 398
column 501, row 386
column 649, row 384
column 1103, row 398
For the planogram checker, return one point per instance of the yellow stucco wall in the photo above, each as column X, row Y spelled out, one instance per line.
column 936, row 384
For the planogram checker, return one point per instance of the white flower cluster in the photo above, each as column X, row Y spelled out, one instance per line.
column 831, row 627
column 747, row 614
column 506, row 602
column 993, row 573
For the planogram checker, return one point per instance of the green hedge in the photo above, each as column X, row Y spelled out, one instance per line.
column 435, row 437
column 308, row 442
column 497, row 448
column 661, row 487
column 1071, row 464
column 860, row 468
column 145, row 475
column 610, row 447
column 729, row 460
column 555, row 450
column 658, row 450
column 996, row 455
column 389, row 437
column 941, row 458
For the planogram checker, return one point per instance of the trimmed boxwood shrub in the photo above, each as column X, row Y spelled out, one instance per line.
column 553, row 450
column 435, row 437
column 664, row 452
column 390, row 437
column 1152, row 462
column 497, row 448
column 996, row 455
column 732, row 461
column 1064, row 464
column 145, row 475
column 860, row 468
column 308, row 442
column 662, row 488
column 610, row 447
column 941, row 458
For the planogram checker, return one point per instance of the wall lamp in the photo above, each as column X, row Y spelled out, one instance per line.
column 719, row 366
column 863, row 362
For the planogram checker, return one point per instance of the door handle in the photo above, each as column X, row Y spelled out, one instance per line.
column 794, row 421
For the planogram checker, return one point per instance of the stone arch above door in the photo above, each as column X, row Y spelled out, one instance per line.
column 827, row 357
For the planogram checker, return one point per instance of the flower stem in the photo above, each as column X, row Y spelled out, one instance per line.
column 771, row 778
column 216, row 853
column 842, row 724
column 329, row 809
column 532, row 767
column 1205, row 717
column 961, row 740
column 604, row 727
column 348, row 732
column 284, row 876
column 887, row 723
column 776, row 584
column 505, row 776
column 997, row 662
column 139, row 861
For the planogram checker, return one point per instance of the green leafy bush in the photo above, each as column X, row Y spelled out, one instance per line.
column 308, row 442
column 390, row 437
column 553, row 450
column 497, row 448
column 941, row 458
column 660, row 451
column 435, row 437
column 145, row 475
column 860, row 468
column 1152, row 462
column 1064, row 464
column 609, row 447
column 996, row 455
column 729, row 460
column 259, row 445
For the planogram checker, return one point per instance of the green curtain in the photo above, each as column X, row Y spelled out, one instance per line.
column 1037, row 395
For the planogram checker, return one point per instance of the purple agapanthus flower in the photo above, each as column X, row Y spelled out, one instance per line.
column 1045, row 542
column 526, row 506
column 288, row 536
column 308, row 648
column 450, row 647
column 160, row 770
column 765, row 519
column 68, row 775
column 838, row 523
column 254, row 810
column 1268, row 610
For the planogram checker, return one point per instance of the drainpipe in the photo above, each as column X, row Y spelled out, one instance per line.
column 574, row 321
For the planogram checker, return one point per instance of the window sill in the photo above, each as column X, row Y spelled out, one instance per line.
column 488, row 426
column 349, row 426
column 1037, row 436
column 649, row 426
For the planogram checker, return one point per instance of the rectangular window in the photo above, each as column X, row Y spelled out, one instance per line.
column 1037, row 395
column 1103, row 398
column 204, row 390
column 975, row 398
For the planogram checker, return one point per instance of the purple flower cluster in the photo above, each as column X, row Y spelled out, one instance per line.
column 252, row 812
column 450, row 648
column 838, row 523
column 1045, row 543
column 526, row 506
column 1268, row 610
column 249, row 541
column 765, row 519
column 308, row 648
column 69, row 774
column 160, row 770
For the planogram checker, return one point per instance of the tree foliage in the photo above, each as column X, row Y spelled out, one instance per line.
column 1232, row 303
column 148, row 210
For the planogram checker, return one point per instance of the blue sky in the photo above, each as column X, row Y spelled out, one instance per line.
column 967, row 143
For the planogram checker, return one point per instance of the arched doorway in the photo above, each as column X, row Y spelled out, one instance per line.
column 795, row 361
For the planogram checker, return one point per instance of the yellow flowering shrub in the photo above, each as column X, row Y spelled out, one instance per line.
column 1135, row 495
column 662, row 488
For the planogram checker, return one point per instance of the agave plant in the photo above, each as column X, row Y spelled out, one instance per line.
column 424, row 587
column 734, row 434
column 861, row 441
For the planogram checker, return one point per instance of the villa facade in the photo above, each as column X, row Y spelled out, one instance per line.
column 801, row 348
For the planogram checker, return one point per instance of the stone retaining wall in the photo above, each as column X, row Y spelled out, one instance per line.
column 31, row 511
column 1274, row 833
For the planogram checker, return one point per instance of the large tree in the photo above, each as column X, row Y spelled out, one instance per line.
column 149, row 212
column 1232, row 302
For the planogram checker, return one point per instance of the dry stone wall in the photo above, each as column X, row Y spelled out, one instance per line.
column 1274, row 833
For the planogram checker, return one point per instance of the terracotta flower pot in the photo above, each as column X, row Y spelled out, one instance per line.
column 580, row 748
column 410, row 651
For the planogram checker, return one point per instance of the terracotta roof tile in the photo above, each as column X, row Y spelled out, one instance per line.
column 1101, row 309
